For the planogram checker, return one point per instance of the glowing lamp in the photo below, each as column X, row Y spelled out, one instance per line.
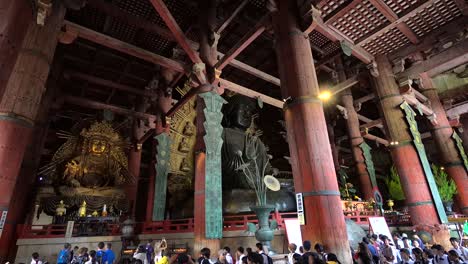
column 325, row 95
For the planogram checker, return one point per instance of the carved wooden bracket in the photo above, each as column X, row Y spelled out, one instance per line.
column 68, row 36
column 373, row 69
column 44, row 9
column 343, row 111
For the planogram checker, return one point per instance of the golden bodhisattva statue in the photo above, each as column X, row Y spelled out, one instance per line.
column 90, row 166
column 61, row 210
column 82, row 211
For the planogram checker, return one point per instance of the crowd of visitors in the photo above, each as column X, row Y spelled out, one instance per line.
column 373, row 249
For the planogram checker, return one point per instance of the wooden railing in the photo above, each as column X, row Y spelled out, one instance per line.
column 230, row 223
column 42, row 231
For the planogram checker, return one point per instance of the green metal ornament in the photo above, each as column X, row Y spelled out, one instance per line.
column 410, row 114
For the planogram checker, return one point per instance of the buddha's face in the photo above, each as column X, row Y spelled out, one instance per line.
column 98, row 146
column 242, row 115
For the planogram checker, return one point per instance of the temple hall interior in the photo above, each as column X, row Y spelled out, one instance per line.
column 282, row 131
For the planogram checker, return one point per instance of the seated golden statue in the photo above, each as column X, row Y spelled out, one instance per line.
column 189, row 129
column 90, row 166
column 184, row 146
column 184, row 166
column 61, row 210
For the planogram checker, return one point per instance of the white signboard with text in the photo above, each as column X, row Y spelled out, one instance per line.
column 293, row 231
column 379, row 226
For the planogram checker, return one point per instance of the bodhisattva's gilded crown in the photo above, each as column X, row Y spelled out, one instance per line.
column 102, row 130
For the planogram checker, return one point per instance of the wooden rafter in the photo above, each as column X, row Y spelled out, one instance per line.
column 106, row 83
column 124, row 47
column 243, row 43
column 111, row 43
column 364, row 99
column 334, row 34
column 251, row 93
column 395, row 23
column 232, row 16
column 102, row 106
column 448, row 31
column 350, row 82
column 444, row 61
column 179, row 35
column 392, row 17
column 374, row 123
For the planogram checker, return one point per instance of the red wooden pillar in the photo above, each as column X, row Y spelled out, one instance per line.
column 15, row 17
column 442, row 133
column 354, row 135
column 18, row 109
column 404, row 155
column 134, row 158
column 464, row 134
column 151, row 176
column 311, row 157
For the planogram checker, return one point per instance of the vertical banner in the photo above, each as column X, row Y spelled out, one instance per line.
column 213, row 143
column 300, row 208
column 162, row 168
column 369, row 163
column 410, row 114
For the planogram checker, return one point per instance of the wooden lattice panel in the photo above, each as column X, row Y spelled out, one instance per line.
column 138, row 8
column 110, row 60
column 122, row 31
column 182, row 11
column 360, row 21
column 88, row 17
column 387, row 42
column 153, row 42
column 260, row 4
column 331, row 48
column 331, row 6
column 433, row 17
column 317, row 39
column 401, row 7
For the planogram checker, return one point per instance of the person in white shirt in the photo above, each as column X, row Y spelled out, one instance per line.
column 461, row 251
column 140, row 254
column 239, row 255
column 35, row 258
column 228, row 256
column 292, row 250
column 405, row 256
column 439, row 255
column 454, row 257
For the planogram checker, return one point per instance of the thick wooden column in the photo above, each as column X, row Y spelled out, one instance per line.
column 355, row 137
column 404, row 155
column 134, row 158
column 15, row 17
column 311, row 157
column 19, row 107
column 442, row 133
column 464, row 134
column 151, row 177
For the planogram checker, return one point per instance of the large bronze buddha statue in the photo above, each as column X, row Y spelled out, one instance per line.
column 241, row 138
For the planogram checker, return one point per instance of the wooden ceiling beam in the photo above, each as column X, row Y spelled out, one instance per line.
column 375, row 138
column 364, row 99
column 243, row 43
column 177, row 32
column 392, row 17
column 395, row 23
column 102, row 106
column 334, row 34
column 124, row 47
column 446, row 32
column 232, row 16
column 103, row 82
column 374, row 123
column 251, row 93
column 254, row 71
column 153, row 28
column 348, row 83
column 444, row 61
